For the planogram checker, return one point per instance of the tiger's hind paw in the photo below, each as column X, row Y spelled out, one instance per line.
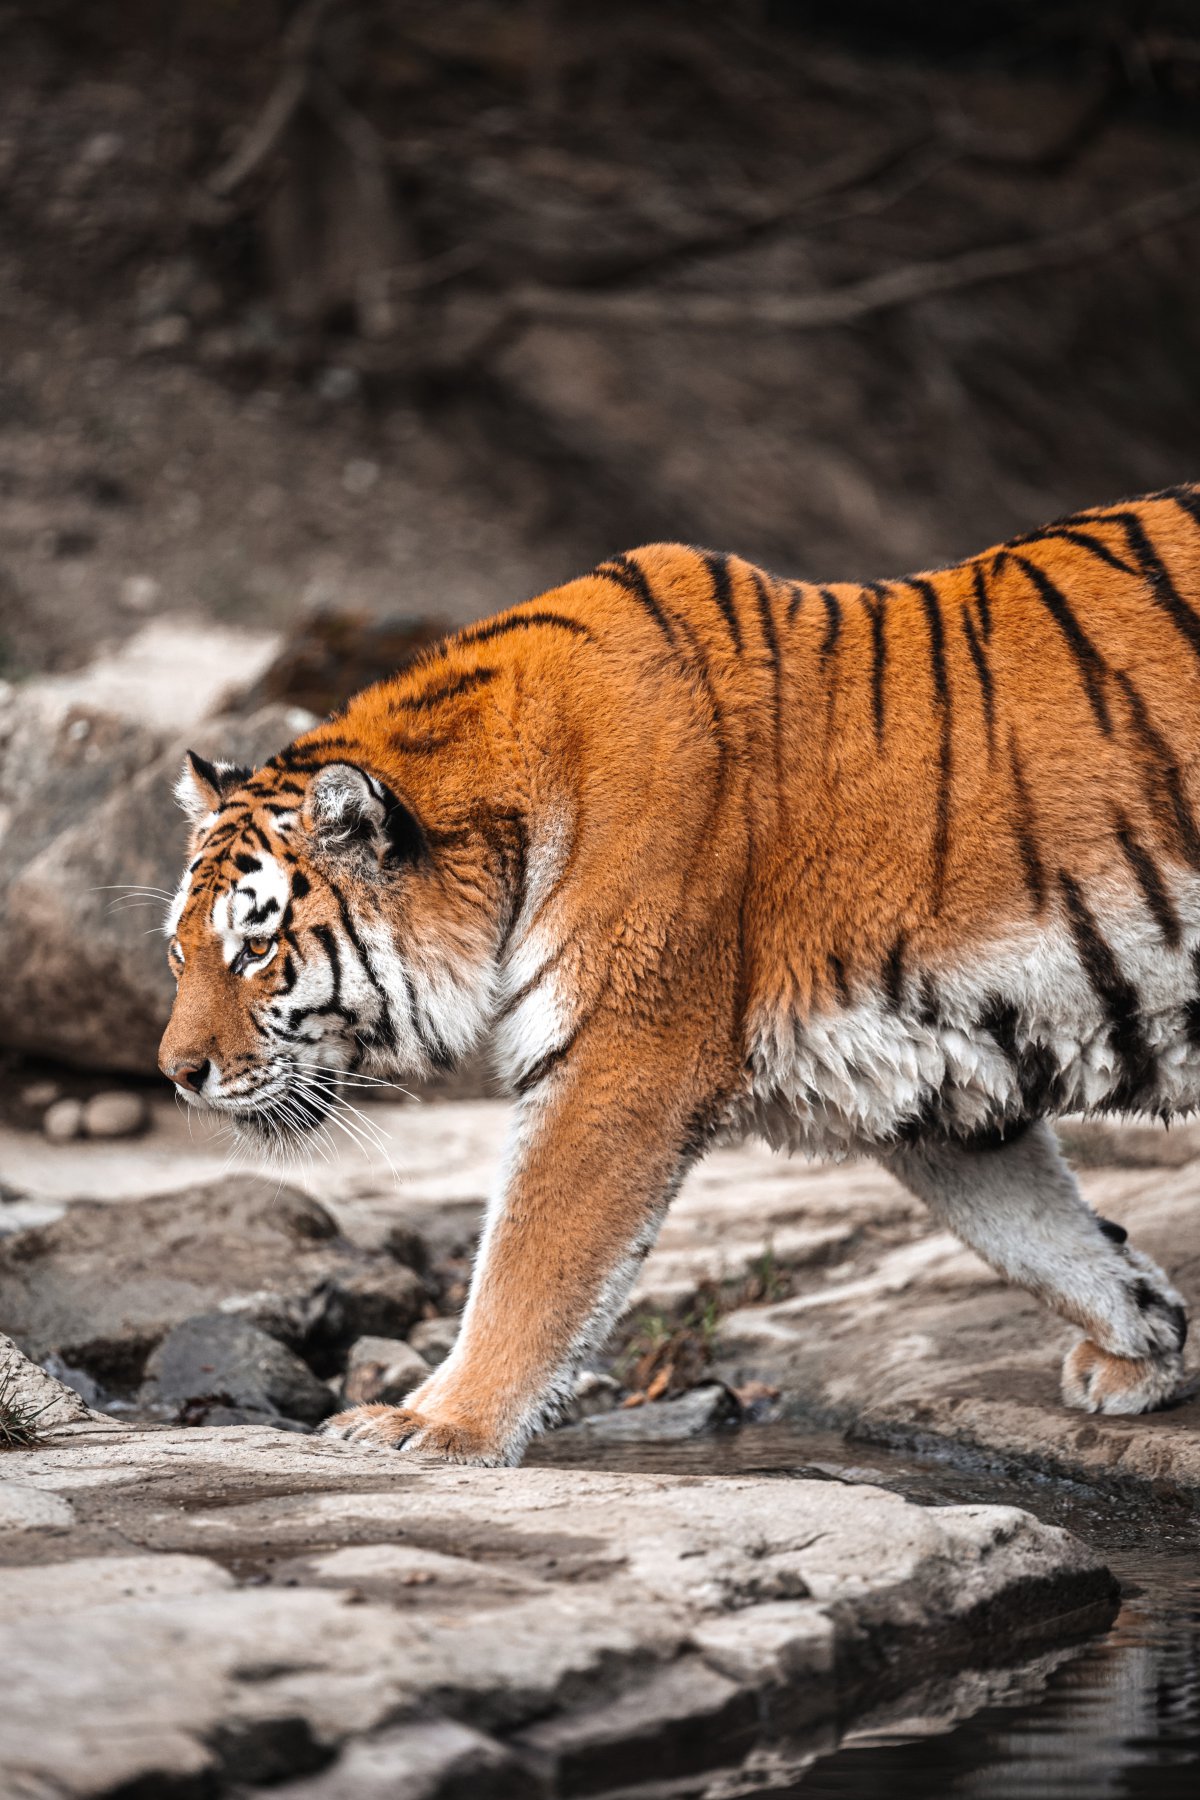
column 1098, row 1382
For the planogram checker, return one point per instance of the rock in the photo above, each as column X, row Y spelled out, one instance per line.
column 914, row 1340
column 103, row 1283
column 63, row 1121
column 384, row 1369
column 24, row 1508
column 40, row 1094
column 218, row 1356
column 114, row 1114
column 480, row 1633
column 663, row 1421
column 34, row 1393
column 140, row 593
column 434, row 1339
column 434, row 1759
column 334, row 654
column 595, row 1394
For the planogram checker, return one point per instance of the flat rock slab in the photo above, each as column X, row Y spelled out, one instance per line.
column 208, row 1610
column 912, row 1338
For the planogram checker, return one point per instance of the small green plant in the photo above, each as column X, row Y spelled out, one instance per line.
column 18, row 1422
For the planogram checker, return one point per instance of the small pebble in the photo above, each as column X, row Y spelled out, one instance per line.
column 140, row 593
column 116, row 1114
column 434, row 1338
column 40, row 1094
column 63, row 1121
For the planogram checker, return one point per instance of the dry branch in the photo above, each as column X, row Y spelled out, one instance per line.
column 876, row 293
column 299, row 41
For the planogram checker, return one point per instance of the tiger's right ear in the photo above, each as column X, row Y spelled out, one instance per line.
column 202, row 786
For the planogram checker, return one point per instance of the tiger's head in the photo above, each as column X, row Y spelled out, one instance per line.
column 320, row 930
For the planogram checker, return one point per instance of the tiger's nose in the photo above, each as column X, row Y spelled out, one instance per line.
column 191, row 1075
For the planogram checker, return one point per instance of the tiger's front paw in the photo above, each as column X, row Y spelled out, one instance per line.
column 417, row 1434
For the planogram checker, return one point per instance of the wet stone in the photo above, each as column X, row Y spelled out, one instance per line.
column 225, row 1359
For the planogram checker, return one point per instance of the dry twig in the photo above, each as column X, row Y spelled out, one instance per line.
column 299, row 42
column 875, row 293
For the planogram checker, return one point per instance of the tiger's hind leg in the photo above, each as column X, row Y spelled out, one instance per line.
column 1018, row 1206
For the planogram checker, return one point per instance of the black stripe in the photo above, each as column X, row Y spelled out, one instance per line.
column 1119, row 996
column 386, row 1030
column 246, row 863
column 1167, row 797
column 324, row 936
column 480, row 634
column 300, row 885
column 833, row 624
column 514, row 859
column 930, row 1011
column 771, row 640
column 1149, row 878
column 461, row 684
column 984, row 673
column 718, row 568
column 1024, row 828
column 873, row 601
column 983, row 602
column 1094, row 546
column 1092, row 667
column 837, row 970
column 543, row 1066
column 893, row 975
column 1163, row 591
column 629, row 575
column 941, row 691
column 1191, row 1011
column 796, row 601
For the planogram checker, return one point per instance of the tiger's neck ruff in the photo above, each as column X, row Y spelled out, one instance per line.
column 902, row 869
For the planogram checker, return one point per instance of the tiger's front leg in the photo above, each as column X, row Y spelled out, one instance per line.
column 600, row 1148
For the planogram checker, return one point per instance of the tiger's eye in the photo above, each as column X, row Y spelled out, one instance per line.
column 258, row 947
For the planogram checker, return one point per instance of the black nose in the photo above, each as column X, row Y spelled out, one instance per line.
column 190, row 1075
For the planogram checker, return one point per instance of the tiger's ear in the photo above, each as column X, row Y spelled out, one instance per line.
column 348, row 810
column 202, row 786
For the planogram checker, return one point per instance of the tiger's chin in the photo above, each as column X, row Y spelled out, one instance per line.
column 280, row 1122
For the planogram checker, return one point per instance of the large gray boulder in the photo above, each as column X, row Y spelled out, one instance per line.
column 221, row 1358
column 101, row 1285
column 355, row 1625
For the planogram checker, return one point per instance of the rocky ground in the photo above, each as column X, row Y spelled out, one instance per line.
column 272, row 1607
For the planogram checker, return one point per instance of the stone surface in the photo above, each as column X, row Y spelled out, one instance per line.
column 116, row 1113
column 26, row 1386
column 911, row 1338
column 382, row 1369
column 102, row 1284
column 703, row 1409
column 345, row 1624
column 434, row 1339
column 220, row 1356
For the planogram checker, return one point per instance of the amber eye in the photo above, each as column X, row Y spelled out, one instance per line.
column 253, row 951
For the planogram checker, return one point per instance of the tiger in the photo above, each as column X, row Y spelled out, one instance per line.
column 903, row 871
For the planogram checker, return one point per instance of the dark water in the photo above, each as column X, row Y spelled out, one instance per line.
column 1118, row 1715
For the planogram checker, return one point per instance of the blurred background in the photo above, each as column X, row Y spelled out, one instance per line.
column 326, row 325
